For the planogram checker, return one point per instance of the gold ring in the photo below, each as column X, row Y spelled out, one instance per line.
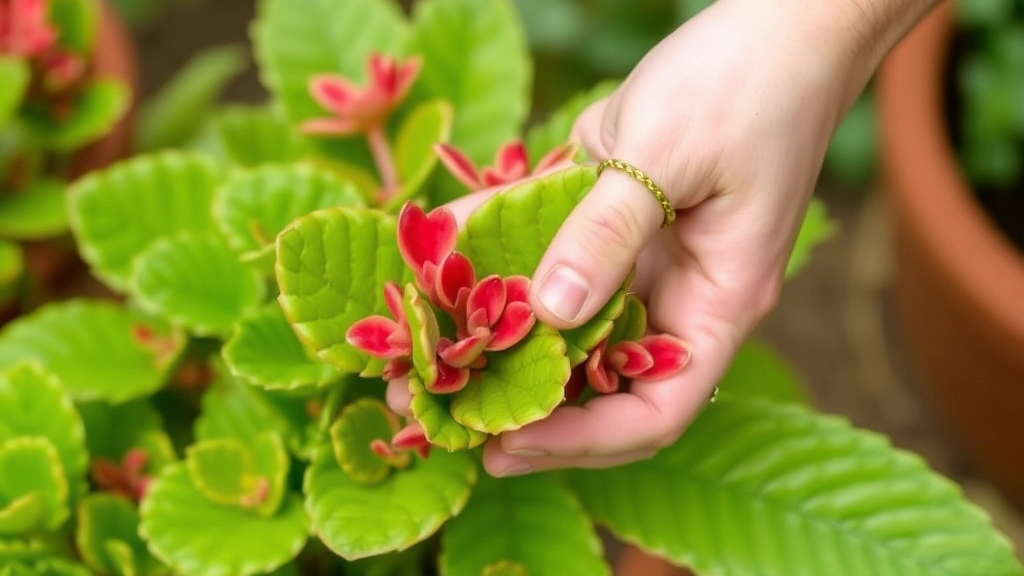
column 639, row 176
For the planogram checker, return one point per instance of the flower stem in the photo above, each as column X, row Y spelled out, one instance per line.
column 381, row 151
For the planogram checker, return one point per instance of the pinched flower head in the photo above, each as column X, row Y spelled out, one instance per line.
column 511, row 163
column 650, row 358
column 356, row 109
column 24, row 31
column 424, row 240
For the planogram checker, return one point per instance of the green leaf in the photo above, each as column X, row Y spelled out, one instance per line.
column 254, row 135
column 520, row 385
column 428, row 124
column 475, row 56
column 33, row 487
column 631, row 325
column 756, row 371
column 76, row 23
column 93, row 113
column 815, row 229
column 196, row 282
column 176, row 113
column 758, row 487
column 14, row 79
column 12, row 264
column 554, row 132
column 533, row 521
column 325, row 37
column 356, row 520
column 108, row 540
column 115, row 429
column 196, row 537
column 331, row 268
column 433, row 412
column 508, row 234
column 424, row 333
column 79, row 341
column 265, row 351
column 57, row 567
column 18, row 550
column 253, row 207
column 359, row 424
column 35, row 212
column 117, row 213
column 229, row 473
column 33, row 404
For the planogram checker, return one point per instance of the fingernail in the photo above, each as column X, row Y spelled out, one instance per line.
column 515, row 470
column 526, row 452
column 564, row 293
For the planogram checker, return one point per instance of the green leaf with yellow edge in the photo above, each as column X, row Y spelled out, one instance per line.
column 36, row 212
column 757, row 371
column 254, row 206
column 556, row 130
column 232, row 408
column 357, row 520
column 255, row 135
column 530, row 523
column 816, row 228
column 509, row 233
column 428, row 124
column 757, row 487
column 251, row 476
column 33, row 487
column 433, row 412
column 325, row 37
column 475, row 56
column 79, row 340
column 196, row 282
column 505, row 568
column 33, row 403
column 264, row 350
column 94, row 111
column 54, row 567
column 424, row 331
column 108, row 540
column 14, row 550
column 331, row 268
column 518, row 386
column 14, row 80
column 117, row 213
column 359, row 424
column 197, row 537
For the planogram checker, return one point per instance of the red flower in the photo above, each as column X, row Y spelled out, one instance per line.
column 127, row 478
column 497, row 317
column 24, row 31
column 385, row 338
column 510, row 164
column 424, row 240
column 650, row 358
column 356, row 109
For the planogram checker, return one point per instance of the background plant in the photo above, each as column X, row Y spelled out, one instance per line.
column 191, row 430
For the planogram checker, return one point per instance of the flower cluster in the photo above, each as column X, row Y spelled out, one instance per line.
column 511, row 163
column 26, row 33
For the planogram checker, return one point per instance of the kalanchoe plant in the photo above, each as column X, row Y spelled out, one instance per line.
column 228, row 417
column 50, row 106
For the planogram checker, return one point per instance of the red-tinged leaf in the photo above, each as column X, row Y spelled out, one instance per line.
column 459, row 166
column 449, row 379
column 517, row 289
column 455, row 276
column 411, row 437
column 629, row 359
column 488, row 295
column 556, row 156
column 372, row 335
column 670, row 356
column 598, row 376
column 332, row 92
column 396, row 368
column 393, row 298
column 329, row 127
column 515, row 323
column 425, row 238
column 464, row 353
column 512, row 161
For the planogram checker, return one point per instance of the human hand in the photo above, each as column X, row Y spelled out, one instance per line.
column 730, row 116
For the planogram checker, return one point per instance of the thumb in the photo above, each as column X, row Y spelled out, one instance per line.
column 594, row 250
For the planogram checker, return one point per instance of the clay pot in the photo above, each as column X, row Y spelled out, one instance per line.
column 50, row 261
column 959, row 281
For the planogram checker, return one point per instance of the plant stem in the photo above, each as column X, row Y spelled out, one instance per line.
column 381, row 151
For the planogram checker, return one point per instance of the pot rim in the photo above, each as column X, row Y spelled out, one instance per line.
column 930, row 193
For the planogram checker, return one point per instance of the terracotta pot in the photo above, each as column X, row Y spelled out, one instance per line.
column 50, row 261
column 959, row 281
